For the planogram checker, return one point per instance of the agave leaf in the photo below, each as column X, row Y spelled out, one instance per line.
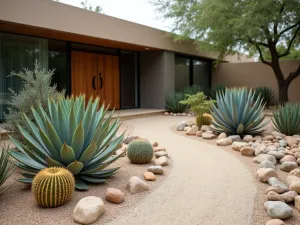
column 88, row 154
column 41, row 123
column 78, row 140
column 75, row 167
column 67, row 154
column 81, row 185
column 53, row 114
column 49, row 146
column 26, row 160
column 102, row 172
column 26, row 180
column 52, row 162
column 92, row 179
column 62, row 119
column 53, row 136
column 72, row 126
column 28, row 175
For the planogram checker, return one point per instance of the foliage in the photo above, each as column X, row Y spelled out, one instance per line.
column 215, row 89
column 71, row 135
column 6, row 167
column 236, row 112
column 173, row 102
column 88, row 6
column 36, row 89
column 266, row 93
column 192, row 90
column 53, row 187
column 140, row 152
column 270, row 28
column 286, row 119
column 198, row 103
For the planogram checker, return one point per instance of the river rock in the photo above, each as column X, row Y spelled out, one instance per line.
column 239, row 145
column 283, row 143
column 136, row 185
column 192, row 131
column 258, row 159
column 273, row 196
column 160, row 154
column 273, row 181
column 277, row 189
column 287, row 158
column 291, row 178
column 267, row 164
column 88, row 210
column 156, row 169
column 271, row 148
column 278, row 210
column 291, row 140
column 265, row 173
column 262, row 149
column 248, row 138
column 295, row 186
column 268, row 138
column 149, row 176
column 235, row 138
column 247, row 151
column 295, row 172
column 224, row 141
column 275, row 222
column 208, row 136
column 222, row 135
column 161, row 161
column 114, row 195
column 276, row 154
column 289, row 196
column 288, row 166
column 297, row 203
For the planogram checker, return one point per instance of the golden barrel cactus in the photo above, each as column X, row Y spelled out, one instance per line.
column 53, row 186
column 204, row 119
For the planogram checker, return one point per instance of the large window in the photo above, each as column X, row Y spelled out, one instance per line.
column 189, row 71
column 18, row 52
column 128, row 79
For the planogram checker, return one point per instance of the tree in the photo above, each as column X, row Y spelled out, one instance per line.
column 271, row 27
column 88, row 6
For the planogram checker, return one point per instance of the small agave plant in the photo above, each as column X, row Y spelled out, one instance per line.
column 73, row 136
column 236, row 113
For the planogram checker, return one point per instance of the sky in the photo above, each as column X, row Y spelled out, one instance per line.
column 137, row 11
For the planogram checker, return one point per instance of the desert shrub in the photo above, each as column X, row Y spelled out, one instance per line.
column 215, row 89
column 199, row 105
column 36, row 90
column 236, row 112
column 173, row 102
column 265, row 93
column 192, row 90
column 286, row 119
column 72, row 135
column 6, row 167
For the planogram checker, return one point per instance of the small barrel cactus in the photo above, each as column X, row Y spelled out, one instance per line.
column 140, row 152
column 53, row 187
column 204, row 119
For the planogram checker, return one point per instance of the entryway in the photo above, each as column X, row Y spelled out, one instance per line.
column 96, row 75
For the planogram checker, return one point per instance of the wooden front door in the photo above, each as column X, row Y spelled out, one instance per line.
column 97, row 75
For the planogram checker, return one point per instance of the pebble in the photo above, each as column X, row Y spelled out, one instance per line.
column 288, row 166
column 258, row 159
column 136, row 185
column 295, row 186
column 278, row 210
column 149, row 176
column 265, row 173
column 160, row 154
column 222, row 135
column 224, row 141
column 287, row 158
column 161, row 161
column 273, row 196
column 247, row 151
column 208, row 136
column 114, row 195
column 273, row 181
column 275, row 222
column 289, row 196
column 237, row 146
column 156, row 169
column 267, row 164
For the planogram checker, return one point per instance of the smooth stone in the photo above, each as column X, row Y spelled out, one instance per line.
column 208, row 136
column 295, row 186
column 156, row 169
column 222, row 135
column 199, row 133
column 191, row 131
column 276, row 154
column 267, row 164
column 271, row 148
column 88, row 209
column 277, row 189
column 160, row 154
column 265, row 173
column 255, row 145
column 237, row 146
column 183, row 114
column 291, row 140
column 282, row 143
column 262, row 149
column 114, row 195
column 224, row 141
column 298, row 161
column 247, row 151
column 155, row 144
column 248, row 138
column 297, row 137
column 288, row 166
column 273, row 181
column 258, row 159
column 130, row 139
column 205, row 128
column 291, row 178
column 257, row 138
column 273, row 196
column 275, row 222
column 281, row 149
column 180, row 127
column 161, row 161
column 159, row 149
column 297, row 155
column 166, row 113
column 149, row 176
column 289, row 196
column 235, row 137
column 278, row 134
column 268, row 137
column 295, row 172
column 136, row 185
column 278, row 210
column 287, row 158
column 186, row 128
column 297, row 203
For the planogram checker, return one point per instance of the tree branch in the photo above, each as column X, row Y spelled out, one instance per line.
column 287, row 52
column 275, row 28
column 262, row 57
column 293, row 75
column 289, row 28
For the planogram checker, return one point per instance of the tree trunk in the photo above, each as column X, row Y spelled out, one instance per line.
column 283, row 89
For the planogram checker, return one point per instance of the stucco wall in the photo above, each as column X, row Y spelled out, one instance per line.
column 256, row 74
column 157, row 78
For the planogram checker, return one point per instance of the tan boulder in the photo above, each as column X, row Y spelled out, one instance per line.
column 275, row 222
column 291, row 140
column 289, row 196
column 247, row 151
column 265, row 173
column 273, row 196
column 295, row 186
column 292, row 178
column 149, row 176
column 114, row 195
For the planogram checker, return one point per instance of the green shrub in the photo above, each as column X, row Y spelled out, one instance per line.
column 36, row 89
column 266, row 93
column 72, row 135
column 192, row 90
column 215, row 89
column 236, row 112
column 199, row 105
column 140, row 152
column 173, row 102
column 6, row 167
column 286, row 119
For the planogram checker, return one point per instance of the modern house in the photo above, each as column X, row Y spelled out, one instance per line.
column 126, row 64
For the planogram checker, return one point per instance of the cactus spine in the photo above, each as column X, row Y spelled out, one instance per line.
column 204, row 119
column 140, row 151
column 53, row 187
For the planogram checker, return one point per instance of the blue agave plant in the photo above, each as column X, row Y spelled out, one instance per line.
column 236, row 113
column 73, row 136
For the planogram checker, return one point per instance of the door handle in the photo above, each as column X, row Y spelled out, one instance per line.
column 93, row 83
column 101, row 81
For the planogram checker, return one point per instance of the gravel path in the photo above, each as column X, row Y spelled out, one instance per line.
column 205, row 186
